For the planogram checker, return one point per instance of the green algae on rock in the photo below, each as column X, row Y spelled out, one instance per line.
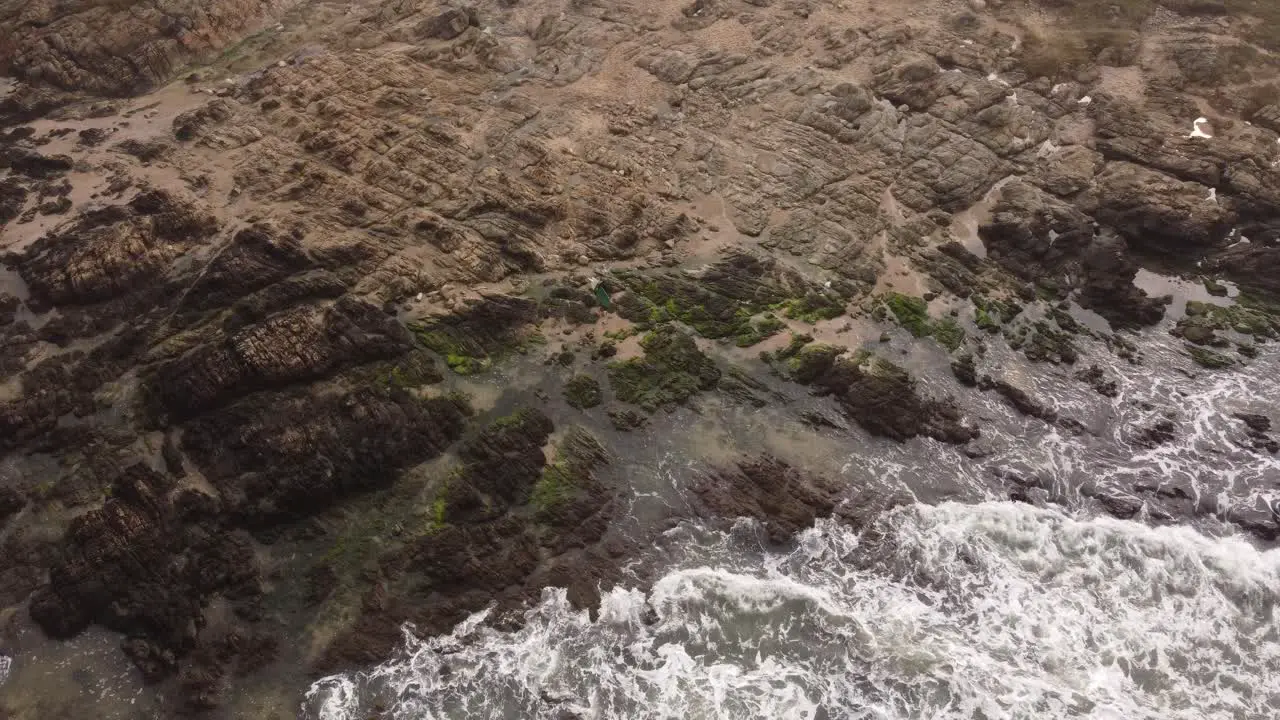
column 1207, row 358
column 671, row 371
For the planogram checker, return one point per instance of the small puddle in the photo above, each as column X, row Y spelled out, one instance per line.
column 1182, row 291
column 964, row 224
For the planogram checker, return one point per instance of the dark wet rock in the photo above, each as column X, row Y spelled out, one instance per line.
column 1158, row 433
column 1157, row 212
column 965, row 370
column 276, row 456
column 194, row 124
column 301, row 344
column 34, row 165
column 582, row 392
column 875, row 393
column 145, row 150
column 1031, row 231
column 500, row 467
column 258, row 256
column 1020, row 399
column 143, row 567
column 1121, row 506
column 546, row 526
column 13, row 196
column 784, row 499
column 114, row 250
column 1262, row 519
column 11, row 502
column 1041, row 238
column 93, row 137
column 671, row 371
column 626, row 419
column 1255, row 265
column 1107, row 287
column 742, row 387
column 1255, row 421
column 1043, row 341
column 1099, row 381
column 447, row 25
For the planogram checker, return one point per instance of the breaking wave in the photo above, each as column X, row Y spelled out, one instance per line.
column 996, row 611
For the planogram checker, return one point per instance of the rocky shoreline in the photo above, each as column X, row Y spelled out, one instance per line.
column 320, row 320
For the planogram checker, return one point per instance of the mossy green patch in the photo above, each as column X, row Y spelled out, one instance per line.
column 460, row 358
column 1204, row 320
column 569, row 475
column 911, row 312
column 671, row 371
column 812, row 307
column 948, row 333
column 759, row 330
column 1209, row 358
column 1215, row 288
column 725, row 300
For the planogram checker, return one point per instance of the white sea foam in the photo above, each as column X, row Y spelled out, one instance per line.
column 996, row 610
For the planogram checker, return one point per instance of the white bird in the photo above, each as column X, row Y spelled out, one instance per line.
column 1084, row 100
column 1213, row 196
column 1196, row 132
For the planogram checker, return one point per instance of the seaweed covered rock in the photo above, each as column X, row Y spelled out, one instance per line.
column 509, row 524
column 723, row 300
column 671, row 371
column 875, row 393
column 489, row 327
column 582, row 392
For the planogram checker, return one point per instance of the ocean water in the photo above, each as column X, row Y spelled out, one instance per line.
column 995, row 610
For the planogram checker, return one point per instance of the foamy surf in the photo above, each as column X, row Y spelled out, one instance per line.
column 996, row 610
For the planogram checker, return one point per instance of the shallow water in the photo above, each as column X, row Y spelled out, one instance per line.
column 995, row 610
column 980, row 609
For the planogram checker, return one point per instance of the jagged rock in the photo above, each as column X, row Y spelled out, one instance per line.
column 110, row 48
column 447, row 25
column 272, row 456
column 13, row 196
column 1041, row 238
column 258, row 256
column 1161, row 431
column 144, row 565
column 114, row 250
column 875, row 393
column 305, row 343
column 1255, row 421
column 784, row 499
column 1159, row 212
column 195, row 124
column 34, row 165
column 1020, row 399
